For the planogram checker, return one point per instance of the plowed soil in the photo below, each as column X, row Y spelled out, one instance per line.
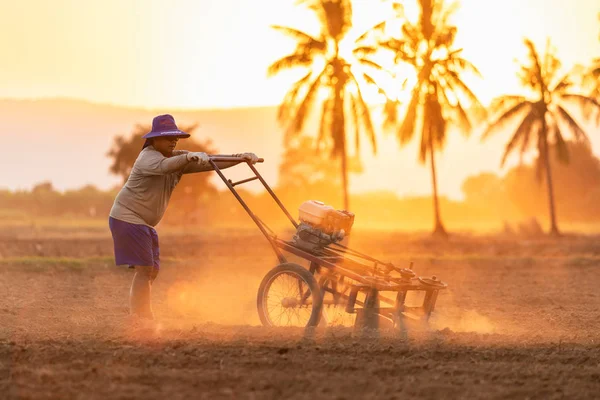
column 520, row 319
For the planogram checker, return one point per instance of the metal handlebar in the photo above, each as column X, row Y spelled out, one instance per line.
column 230, row 185
column 232, row 159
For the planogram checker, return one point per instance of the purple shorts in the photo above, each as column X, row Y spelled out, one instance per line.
column 134, row 244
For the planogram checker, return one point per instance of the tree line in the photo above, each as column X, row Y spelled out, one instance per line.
column 491, row 202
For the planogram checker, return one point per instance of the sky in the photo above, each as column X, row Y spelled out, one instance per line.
column 214, row 53
column 192, row 54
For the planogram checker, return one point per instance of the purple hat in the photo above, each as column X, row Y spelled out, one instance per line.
column 164, row 125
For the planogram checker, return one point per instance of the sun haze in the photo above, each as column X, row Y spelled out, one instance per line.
column 214, row 54
column 202, row 53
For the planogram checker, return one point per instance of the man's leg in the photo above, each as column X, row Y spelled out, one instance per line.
column 153, row 275
column 140, row 293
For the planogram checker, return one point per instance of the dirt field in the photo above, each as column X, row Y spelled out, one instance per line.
column 521, row 319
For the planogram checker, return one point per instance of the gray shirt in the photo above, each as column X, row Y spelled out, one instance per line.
column 145, row 196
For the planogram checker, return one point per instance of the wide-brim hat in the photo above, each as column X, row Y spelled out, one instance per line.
column 164, row 125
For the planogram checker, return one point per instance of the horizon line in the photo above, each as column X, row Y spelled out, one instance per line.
column 134, row 106
column 155, row 109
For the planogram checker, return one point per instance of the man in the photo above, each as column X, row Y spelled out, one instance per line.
column 142, row 201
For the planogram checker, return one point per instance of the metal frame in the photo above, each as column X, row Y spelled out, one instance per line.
column 365, row 273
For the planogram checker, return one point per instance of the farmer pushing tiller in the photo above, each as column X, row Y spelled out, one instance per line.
column 142, row 201
column 334, row 280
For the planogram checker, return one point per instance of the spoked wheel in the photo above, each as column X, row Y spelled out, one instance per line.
column 289, row 296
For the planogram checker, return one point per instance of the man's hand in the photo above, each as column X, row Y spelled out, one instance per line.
column 198, row 157
column 253, row 158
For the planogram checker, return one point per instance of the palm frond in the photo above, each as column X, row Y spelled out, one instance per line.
column 404, row 50
column 287, row 106
column 369, row 79
column 317, row 7
column 285, row 110
column 370, row 63
column 460, row 64
column 454, row 53
column 596, row 67
column 526, row 131
column 592, row 78
column 541, row 160
column 296, row 34
column 437, row 120
column 305, row 106
column 411, row 34
column 462, row 119
column 362, row 51
column 459, row 86
column 390, row 113
column 589, row 105
column 290, row 61
column 521, row 133
column 506, row 117
column 562, row 85
column 392, row 44
column 407, row 128
column 379, row 27
column 560, row 147
column 338, row 125
column 547, row 58
column 551, row 63
column 444, row 12
column 578, row 132
column 562, row 152
column 503, row 102
column 536, row 67
column 325, row 122
column 355, row 122
column 444, row 36
column 424, row 144
column 459, row 116
column 364, row 113
column 367, row 122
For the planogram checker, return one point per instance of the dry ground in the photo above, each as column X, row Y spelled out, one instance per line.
column 521, row 319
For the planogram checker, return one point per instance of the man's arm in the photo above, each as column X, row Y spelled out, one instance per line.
column 154, row 163
column 193, row 167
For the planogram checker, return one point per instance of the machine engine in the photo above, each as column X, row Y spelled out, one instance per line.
column 321, row 225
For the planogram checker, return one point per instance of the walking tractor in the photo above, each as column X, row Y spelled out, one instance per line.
column 338, row 283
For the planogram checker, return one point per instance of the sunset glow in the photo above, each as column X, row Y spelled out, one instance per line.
column 191, row 54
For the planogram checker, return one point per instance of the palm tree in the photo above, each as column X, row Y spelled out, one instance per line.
column 328, row 72
column 594, row 74
column 544, row 117
column 439, row 96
